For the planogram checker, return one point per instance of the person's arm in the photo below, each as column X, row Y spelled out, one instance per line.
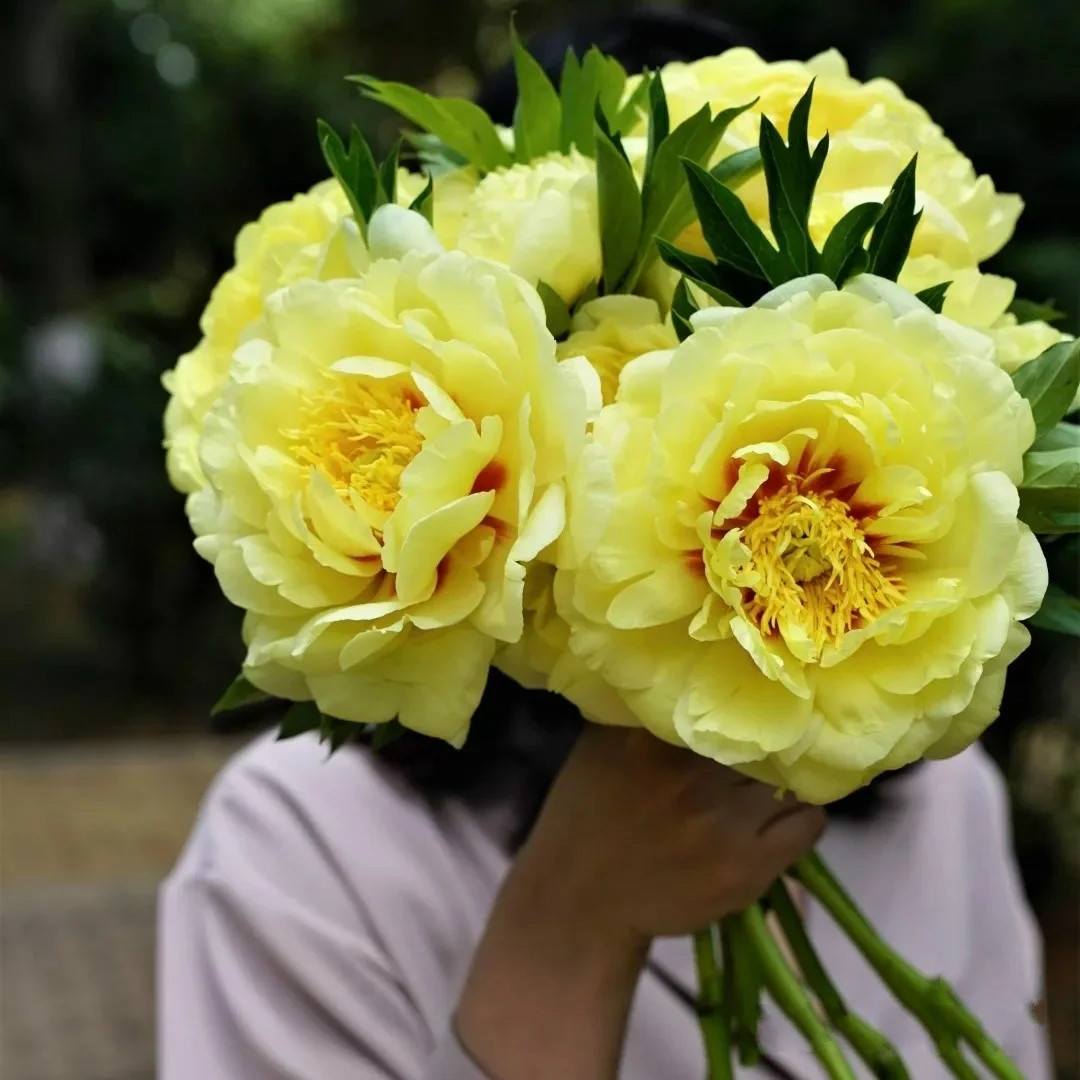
column 270, row 966
column 551, row 984
column 637, row 840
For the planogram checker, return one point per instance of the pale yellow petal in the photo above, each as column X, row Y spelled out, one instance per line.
column 430, row 539
column 730, row 712
column 669, row 593
column 985, row 702
column 457, row 595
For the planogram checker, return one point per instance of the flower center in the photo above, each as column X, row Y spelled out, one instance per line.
column 361, row 436
column 608, row 363
column 816, row 570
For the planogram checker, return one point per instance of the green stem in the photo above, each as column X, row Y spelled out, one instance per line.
column 949, row 1051
column 727, row 927
column 791, row 997
column 869, row 1043
column 711, row 1013
column 932, row 1001
column 743, row 985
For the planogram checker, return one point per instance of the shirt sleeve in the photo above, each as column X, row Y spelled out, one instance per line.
column 264, row 975
column 451, row 1062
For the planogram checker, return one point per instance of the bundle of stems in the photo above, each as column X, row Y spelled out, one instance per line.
column 740, row 958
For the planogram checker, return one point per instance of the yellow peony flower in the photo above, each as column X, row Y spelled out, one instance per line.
column 542, row 659
column 608, row 332
column 540, row 219
column 305, row 237
column 799, row 549
column 982, row 301
column 284, row 245
column 387, row 454
column 612, row 330
column 873, row 132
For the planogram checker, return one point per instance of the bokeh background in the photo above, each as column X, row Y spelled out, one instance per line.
column 137, row 136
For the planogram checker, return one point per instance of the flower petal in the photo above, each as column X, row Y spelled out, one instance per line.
column 429, row 540
column 985, row 702
column 670, row 592
column 731, row 713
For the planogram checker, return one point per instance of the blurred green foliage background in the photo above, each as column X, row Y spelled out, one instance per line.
column 139, row 135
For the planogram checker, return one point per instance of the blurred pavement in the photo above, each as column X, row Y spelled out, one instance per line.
column 85, row 836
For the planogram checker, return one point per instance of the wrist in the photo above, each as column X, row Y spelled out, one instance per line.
column 569, row 918
column 551, row 984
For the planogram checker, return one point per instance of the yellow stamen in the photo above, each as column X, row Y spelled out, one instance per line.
column 815, row 568
column 361, row 435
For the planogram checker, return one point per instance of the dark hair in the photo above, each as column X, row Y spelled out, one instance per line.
column 518, row 741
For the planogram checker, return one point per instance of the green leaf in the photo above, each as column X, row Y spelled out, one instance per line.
column 1052, row 469
column 576, row 128
column 726, row 285
column 667, row 205
column 603, row 127
column 798, row 137
column 891, row 240
column 1029, row 311
column 1059, row 437
column 424, row 203
column 1049, row 383
column 1060, row 612
column 732, row 235
column 596, row 81
column 737, row 168
column 301, row 716
column 388, row 174
column 682, row 328
column 610, row 85
column 556, row 313
column 433, row 154
column 538, row 113
column 337, row 732
column 1046, row 520
column 385, row 734
column 239, row 694
column 934, row 296
column 791, row 173
column 659, row 120
column 683, row 306
column 843, row 254
column 1050, row 490
column 620, row 209
column 577, row 95
column 354, row 169
column 695, row 267
column 461, row 125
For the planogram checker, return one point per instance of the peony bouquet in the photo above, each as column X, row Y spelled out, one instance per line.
column 685, row 399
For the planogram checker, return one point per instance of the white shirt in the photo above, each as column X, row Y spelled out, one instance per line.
column 322, row 919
